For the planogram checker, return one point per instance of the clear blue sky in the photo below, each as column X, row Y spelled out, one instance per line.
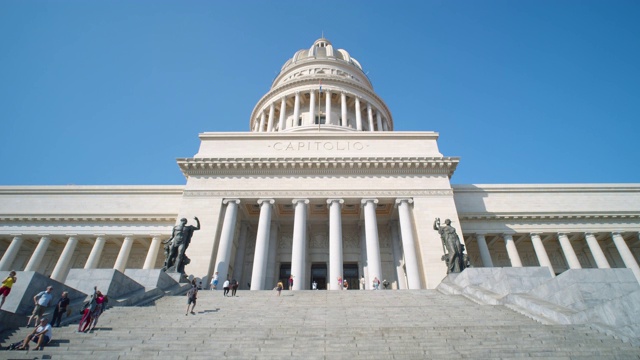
column 112, row 92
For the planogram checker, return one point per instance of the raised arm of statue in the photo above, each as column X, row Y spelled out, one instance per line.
column 197, row 227
column 436, row 224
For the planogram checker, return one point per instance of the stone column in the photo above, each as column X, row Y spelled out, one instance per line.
column 596, row 251
column 271, row 259
column 261, row 252
column 358, row 115
column 512, row 251
column 262, row 119
column 61, row 269
column 370, row 118
column 373, row 245
column 96, row 252
column 397, row 255
column 296, row 109
column 152, row 254
column 312, row 107
column 38, row 254
column 625, row 253
column 299, row 248
column 123, row 255
column 11, row 253
column 408, row 243
column 327, row 107
column 335, row 242
column 379, row 120
column 343, row 109
column 272, row 112
column 363, row 255
column 283, row 112
column 541, row 253
column 223, row 259
column 485, row 255
column 238, row 263
column 568, row 251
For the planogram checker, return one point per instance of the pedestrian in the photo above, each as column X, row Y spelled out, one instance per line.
column 192, row 295
column 279, row 287
column 214, row 281
column 314, row 286
column 98, row 310
column 340, row 282
column 41, row 335
column 6, row 286
column 41, row 300
column 89, row 308
column 385, row 284
column 376, row 283
column 362, row 282
column 225, row 287
column 234, row 287
column 345, row 284
column 291, row 282
column 60, row 309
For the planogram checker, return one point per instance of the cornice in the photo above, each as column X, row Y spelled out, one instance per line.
column 544, row 188
column 547, row 216
column 83, row 218
column 351, row 194
column 318, row 165
column 92, row 190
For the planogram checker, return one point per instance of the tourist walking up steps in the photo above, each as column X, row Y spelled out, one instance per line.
column 234, row 287
column 214, row 281
column 6, row 286
column 225, row 287
column 192, row 295
column 279, row 287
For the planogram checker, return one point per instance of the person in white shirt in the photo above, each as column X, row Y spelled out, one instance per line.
column 41, row 335
column 225, row 287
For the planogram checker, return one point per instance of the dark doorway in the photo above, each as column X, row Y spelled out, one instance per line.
column 350, row 273
column 319, row 275
column 285, row 272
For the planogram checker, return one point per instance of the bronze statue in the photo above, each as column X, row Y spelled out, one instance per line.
column 454, row 251
column 177, row 244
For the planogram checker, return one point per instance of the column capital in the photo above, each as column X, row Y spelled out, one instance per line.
column 509, row 235
column 305, row 201
column 226, row 201
column 534, row 234
column 614, row 233
column 399, row 200
column 339, row 201
column 589, row 233
column 561, row 233
column 365, row 201
column 262, row 201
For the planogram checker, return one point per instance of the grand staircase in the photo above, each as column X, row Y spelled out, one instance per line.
column 354, row 324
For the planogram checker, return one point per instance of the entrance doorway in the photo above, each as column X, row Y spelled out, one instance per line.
column 283, row 275
column 350, row 273
column 319, row 275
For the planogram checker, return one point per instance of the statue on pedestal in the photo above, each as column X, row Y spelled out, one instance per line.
column 177, row 244
column 454, row 256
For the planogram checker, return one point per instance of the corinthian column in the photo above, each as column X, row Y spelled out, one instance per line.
column 328, row 107
column 226, row 238
column 296, row 109
column 343, row 109
column 38, row 254
column 299, row 247
column 335, row 242
column 373, row 245
column 261, row 253
column 283, row 111
column 370, row 116
column 61, row 269
column 408, row 243
column 272, row 111
column 358, row 115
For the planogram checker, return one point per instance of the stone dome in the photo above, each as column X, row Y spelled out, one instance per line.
column 322, row 89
